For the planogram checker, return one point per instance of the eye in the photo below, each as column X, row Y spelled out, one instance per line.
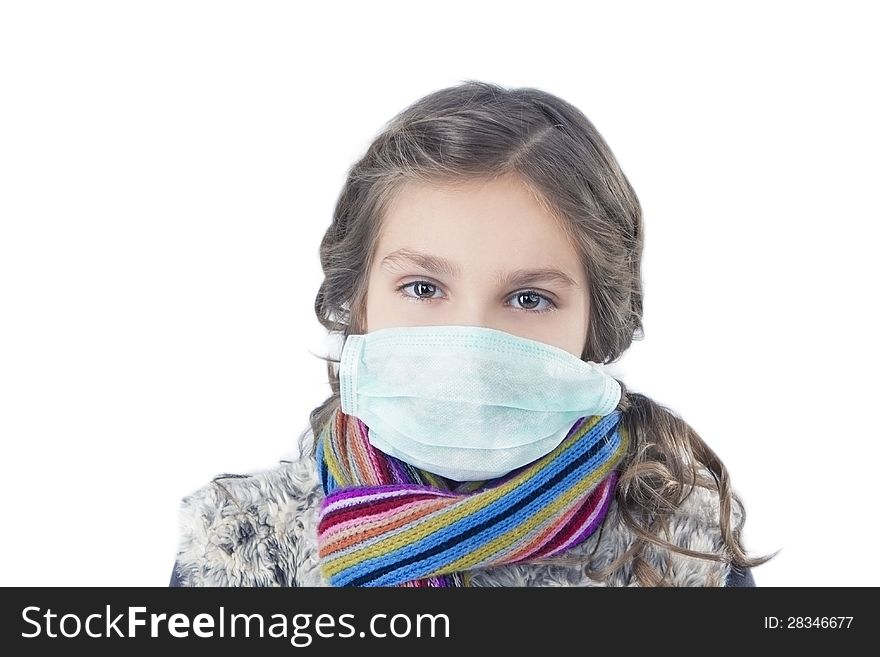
column 531, row 301
column 423, row 290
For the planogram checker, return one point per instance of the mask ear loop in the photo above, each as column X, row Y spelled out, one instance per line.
column 348, row 373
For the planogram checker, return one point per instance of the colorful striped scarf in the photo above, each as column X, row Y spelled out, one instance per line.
column 384, row 522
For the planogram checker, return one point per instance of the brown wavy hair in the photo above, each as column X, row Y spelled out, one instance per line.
column 479, row 130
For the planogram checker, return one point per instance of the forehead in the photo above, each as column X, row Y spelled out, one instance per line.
column 482, row 224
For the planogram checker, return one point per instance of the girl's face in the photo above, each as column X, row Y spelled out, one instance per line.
column 478, row 254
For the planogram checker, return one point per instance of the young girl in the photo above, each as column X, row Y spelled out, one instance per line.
column 482, row 264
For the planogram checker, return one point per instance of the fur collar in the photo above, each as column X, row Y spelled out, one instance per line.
column 260, row 530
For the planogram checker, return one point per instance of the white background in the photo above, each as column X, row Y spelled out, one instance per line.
column 167, row 170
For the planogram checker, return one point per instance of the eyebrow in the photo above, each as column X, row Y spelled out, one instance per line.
column 441, row 266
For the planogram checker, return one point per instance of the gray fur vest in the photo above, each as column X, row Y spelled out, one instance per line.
column 260, row 530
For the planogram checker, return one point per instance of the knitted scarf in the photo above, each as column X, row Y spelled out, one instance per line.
column 384, row 522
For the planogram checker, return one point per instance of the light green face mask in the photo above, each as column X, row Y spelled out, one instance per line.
column 467, row 402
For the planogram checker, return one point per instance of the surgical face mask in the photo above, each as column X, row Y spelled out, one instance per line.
column 467, row 402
